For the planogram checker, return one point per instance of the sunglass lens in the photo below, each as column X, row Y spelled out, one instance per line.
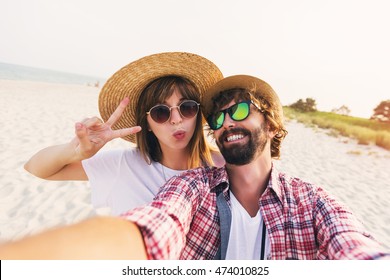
column 216, row 121
column 189, row 109
column 240, row 111
column 160, row 114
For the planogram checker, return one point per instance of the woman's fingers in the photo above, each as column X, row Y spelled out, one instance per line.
column 125, row 131
column 82, row 135
column 95, row 121
column 90, row 122
column 118, row 112
column 105, row 131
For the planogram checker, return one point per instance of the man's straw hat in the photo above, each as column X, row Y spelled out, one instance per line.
column 262, row 90
column 132, row 79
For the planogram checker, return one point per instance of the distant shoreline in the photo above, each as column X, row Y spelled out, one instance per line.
column 26, row 73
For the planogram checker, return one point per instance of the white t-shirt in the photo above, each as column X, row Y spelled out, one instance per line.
column 122, row 180
column 245, row 234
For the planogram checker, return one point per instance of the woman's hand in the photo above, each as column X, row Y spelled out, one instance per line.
column 92, row 133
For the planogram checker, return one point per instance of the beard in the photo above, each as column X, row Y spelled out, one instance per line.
column 241, row 154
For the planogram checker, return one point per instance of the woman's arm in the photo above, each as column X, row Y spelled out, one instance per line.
column 58, row 162
column 63, row 162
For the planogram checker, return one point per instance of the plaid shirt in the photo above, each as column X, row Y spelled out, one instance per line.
column 302, row 220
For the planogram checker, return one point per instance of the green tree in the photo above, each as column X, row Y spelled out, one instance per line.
column 343, row 110
column 382, row 112
column 308, row 105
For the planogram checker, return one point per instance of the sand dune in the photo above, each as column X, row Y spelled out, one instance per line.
column 36, row 115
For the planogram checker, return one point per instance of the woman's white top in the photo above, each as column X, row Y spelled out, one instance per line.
column 122, row 180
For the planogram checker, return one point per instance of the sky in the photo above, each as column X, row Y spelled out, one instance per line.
column 335, row 51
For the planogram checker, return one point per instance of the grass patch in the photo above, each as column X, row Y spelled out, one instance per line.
column 365, row 131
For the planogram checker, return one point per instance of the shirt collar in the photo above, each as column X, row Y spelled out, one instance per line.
column 220, row 179
column 275, row 182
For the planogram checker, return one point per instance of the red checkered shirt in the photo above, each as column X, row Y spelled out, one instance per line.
column 302, row 220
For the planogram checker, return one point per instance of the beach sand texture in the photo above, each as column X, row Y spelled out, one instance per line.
column 36, row 115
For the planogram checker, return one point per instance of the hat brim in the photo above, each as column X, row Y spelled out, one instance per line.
column 132, row 79
column 263, row 90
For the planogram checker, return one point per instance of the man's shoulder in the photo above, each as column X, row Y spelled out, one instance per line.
column 209, row 175
column 296, row 186
column 203, row 171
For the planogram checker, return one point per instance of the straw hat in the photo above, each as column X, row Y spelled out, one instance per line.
column 263, row 90
column 132, row 79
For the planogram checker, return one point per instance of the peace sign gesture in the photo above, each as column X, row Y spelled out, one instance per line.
column 92, row 133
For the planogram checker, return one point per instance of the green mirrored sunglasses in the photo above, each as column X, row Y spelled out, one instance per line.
column 238, row 112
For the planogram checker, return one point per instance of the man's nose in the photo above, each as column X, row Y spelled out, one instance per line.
column 228, row 122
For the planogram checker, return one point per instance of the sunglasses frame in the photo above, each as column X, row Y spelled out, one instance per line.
column 229, row 111
column 170, row 110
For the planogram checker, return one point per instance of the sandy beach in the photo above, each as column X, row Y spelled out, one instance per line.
column 36, row 115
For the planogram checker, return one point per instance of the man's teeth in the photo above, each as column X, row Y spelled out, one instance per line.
column 234, row 137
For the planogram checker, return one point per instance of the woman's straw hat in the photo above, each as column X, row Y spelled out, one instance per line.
column 132, row 79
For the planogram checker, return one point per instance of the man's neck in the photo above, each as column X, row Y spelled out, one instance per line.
column 248, row 182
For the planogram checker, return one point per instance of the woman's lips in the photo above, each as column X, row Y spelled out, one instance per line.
column 179, row 135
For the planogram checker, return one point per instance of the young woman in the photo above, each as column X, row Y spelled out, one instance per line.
column 158, row 97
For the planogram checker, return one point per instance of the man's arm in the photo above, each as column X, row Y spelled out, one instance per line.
column 96, row 238
column 165, row 222
column 341, row 235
